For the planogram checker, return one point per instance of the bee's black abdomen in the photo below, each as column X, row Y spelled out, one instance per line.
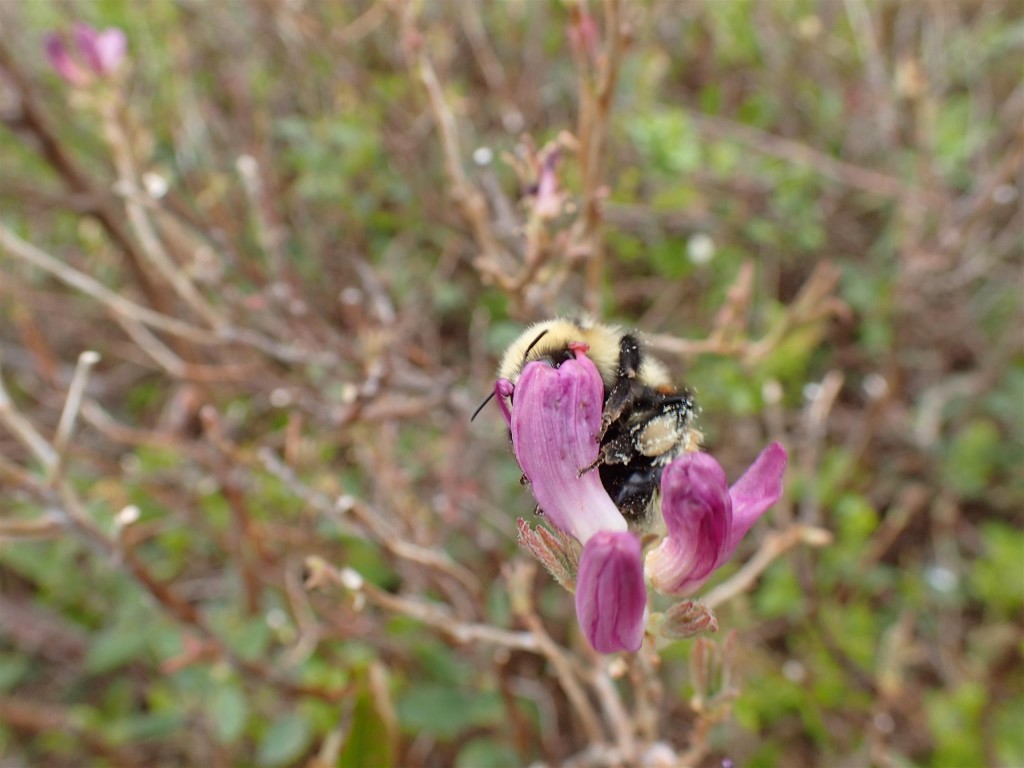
column 631, row 487
column 644, row 430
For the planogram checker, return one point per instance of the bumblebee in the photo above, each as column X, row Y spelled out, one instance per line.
column 646, row 421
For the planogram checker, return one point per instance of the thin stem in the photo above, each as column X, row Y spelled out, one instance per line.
column 120, row 148
column 520, row 577
column 774, row 545
column 116, row 303
column 615, row 712
column 23, row 430
column 72, row 406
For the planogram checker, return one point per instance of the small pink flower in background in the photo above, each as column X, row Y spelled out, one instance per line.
column 103, row 51
column 584, row 35
column 65, row 65
column 95, row 55
column 554, row 418
column 549, row 201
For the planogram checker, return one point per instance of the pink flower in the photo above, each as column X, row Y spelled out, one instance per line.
column 610, row 595
column 549, row 200
column 103, row 51
column 706, row 519
column 554, row 418
column 584, row 36
column 96, row 54
column 554, row 421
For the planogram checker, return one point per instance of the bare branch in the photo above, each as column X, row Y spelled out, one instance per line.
column 773, row 546
column 72, row 406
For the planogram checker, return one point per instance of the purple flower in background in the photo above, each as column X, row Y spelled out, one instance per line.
column 66, row 66
column 554, row 420
column 103, row 51
column 556, row 416
column 95, row 55
column 549, row 200
column 706, row 519
column 584, row 36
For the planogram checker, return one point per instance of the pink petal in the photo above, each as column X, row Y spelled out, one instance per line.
column 698, row 514
column 611, row 599
column 85, row 40
column 584, row 35
column 549, row 202
column 111, row 47
column 102, row 51
column 757, row 490
column 503, row 389
column 556, row 414
column 65, row 66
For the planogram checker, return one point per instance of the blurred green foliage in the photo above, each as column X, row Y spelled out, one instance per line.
column 759, row 125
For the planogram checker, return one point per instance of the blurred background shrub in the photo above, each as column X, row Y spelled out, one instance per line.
column 307, row 230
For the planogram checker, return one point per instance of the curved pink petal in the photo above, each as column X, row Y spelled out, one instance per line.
column 85, row 40
column 698, row 514
column 102, row 51
column 611, row 599
column 63, row 63
column 757, row 490
column 111, row 47
column 556, row 414
column 503, row 389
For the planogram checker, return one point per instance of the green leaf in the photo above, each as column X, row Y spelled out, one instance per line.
column 147, row 727
column 779, row 593
column 972, row 458
column 114, row 648
column 446, row 712
column 990, row 577
column 228, row 712
column 285, row 741
column 369, row 741
column 1009, row 737
column 486, row 753
column 856, row 517
column 13, row 667
column 953, row 716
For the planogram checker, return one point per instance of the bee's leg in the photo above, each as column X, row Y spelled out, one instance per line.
column 626, row 389
column 592, row 465
column 616, row 404
column 619, row 450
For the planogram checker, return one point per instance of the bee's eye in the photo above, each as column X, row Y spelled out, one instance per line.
column 561, row 356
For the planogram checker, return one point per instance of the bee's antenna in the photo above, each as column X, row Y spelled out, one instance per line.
column 487, row 399
column 533, row 344
column 481, row 406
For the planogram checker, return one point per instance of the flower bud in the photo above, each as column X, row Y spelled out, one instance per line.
column 96, row 55
column 102, row 51
column 70, row 71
